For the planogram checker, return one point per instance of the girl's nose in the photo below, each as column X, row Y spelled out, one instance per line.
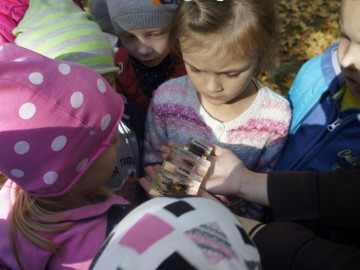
column 213, row 84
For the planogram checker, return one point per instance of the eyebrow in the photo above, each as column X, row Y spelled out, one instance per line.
column 222, row 72
column 158, row 30
column 126, row 34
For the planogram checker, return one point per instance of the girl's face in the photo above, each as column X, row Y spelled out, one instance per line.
column 149, row 46
column 101, row 170
column 219, row 80
column 349, row 45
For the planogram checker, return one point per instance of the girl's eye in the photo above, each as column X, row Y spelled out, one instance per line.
column 160, row 34
column 156, row 34
column 194, row 70
column 233, row 74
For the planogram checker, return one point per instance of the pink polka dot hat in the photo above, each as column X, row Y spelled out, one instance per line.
column 56, row 118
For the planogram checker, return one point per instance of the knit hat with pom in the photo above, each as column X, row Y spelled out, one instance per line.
column 135, row 14
column 56, row 119
column 62, row 30
column 100, row 12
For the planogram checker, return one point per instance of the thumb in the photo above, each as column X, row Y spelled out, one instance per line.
column 145, row 184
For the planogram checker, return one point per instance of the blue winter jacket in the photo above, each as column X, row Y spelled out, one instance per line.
column 321, row 137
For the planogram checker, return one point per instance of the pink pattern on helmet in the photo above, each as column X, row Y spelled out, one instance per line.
column 56, row 118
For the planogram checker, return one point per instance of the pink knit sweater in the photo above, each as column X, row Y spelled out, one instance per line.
column 256, row 136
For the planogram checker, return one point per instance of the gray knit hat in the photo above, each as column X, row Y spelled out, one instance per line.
column 135, row 14
column 100, row 13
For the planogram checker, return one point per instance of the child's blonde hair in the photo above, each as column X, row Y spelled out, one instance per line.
column 31, row 215
column 60, row 120
column 231, row 28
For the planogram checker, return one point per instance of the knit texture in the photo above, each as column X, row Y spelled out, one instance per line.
column 256, row 136
column 135, row 14
column 99, row 10
column 62, row 30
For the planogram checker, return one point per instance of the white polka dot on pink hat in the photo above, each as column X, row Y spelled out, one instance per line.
column 56, row 118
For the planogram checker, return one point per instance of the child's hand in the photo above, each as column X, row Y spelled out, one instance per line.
column 145, row 182
column 150, row 172
column 166, row 149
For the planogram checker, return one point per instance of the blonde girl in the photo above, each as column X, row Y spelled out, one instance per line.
column 224, row 45
column 58, row 128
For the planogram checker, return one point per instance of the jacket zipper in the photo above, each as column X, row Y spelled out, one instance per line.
column 338, row 120
column 334, row 124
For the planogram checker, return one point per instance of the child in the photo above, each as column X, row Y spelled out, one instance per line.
column 325, row 97
column 59, row 146
column 144, row 58
column 184, row 236
column 220, row 102
column 62, row 30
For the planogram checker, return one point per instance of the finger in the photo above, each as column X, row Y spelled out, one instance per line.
column 173, row 143
column 205, row 194
column 145, row 184
column 217, row 150
column 151, row 172
column 165, row 151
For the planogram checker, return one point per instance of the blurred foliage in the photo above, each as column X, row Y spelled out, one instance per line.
column 306, row 29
